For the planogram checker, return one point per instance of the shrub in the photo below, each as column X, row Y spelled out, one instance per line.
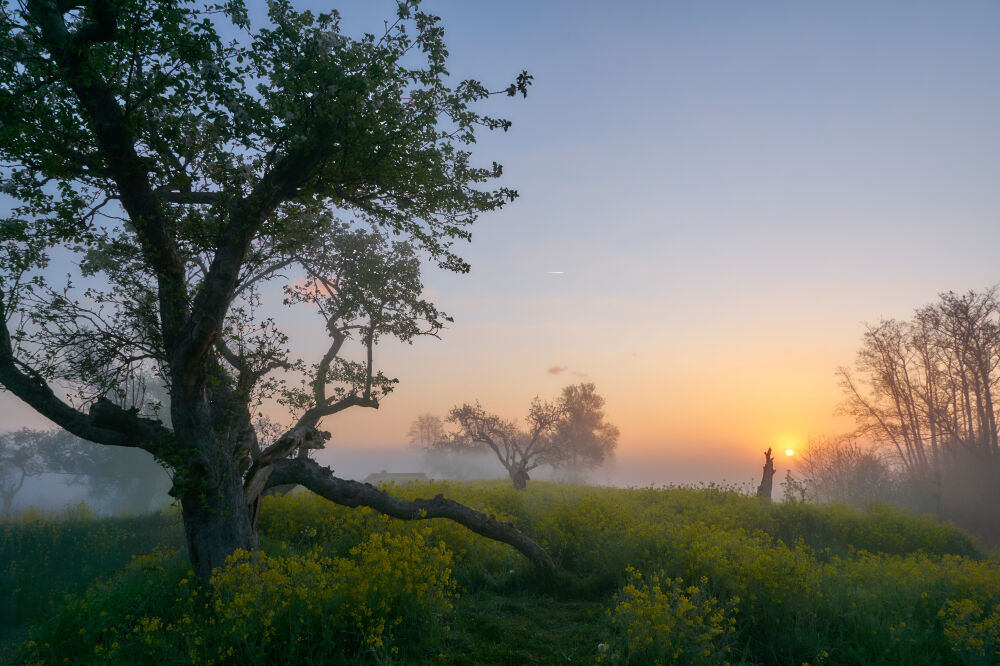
column 657, row 620
column 391, row 592
column 972, row 630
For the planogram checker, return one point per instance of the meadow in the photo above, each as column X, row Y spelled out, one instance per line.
column 645, row 576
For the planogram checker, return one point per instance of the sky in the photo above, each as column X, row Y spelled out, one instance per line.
column 728, row 190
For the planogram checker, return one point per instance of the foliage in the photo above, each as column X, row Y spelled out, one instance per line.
column 303, row 608
column 390, row 587
column 568, row 433
column 774, row 582
column 42, row 559
column 973, row 630
column 662, row 621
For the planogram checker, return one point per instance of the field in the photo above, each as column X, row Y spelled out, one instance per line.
column 646, row 576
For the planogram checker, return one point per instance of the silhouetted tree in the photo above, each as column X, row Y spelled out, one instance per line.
column 767, row 477
column 583, row 439
column 186, row 173
column 840, row 469
column 568, row 432
column 124, row 477
column 425, row 430
column 19, row 460
column 926, row 387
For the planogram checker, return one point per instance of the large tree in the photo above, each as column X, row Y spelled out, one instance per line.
column 188, row 165
column 570, row 432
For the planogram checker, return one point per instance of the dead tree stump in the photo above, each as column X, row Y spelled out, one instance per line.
column 767, row 480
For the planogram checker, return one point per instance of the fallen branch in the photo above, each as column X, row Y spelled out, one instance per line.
column 321, row 481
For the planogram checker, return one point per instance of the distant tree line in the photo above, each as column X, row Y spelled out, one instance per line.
column 922, row 394
column 121, row 478
column 569, row 434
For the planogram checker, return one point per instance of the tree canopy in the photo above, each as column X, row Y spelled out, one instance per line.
column 570, row 432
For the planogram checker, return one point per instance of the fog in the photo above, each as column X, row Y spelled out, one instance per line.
column 623, row 469
column 52, row 492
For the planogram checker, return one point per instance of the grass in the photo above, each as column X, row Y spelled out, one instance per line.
column 43, row 558
column 646, row 576
column 522, row 628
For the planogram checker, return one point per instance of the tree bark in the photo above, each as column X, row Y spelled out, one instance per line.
column 321, row 481
column 767, row 479
column 213, row 436
column 217, row 522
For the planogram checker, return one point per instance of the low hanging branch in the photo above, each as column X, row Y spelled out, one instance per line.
column 321, row 481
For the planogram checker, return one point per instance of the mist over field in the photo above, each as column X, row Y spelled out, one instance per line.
column 51, row 492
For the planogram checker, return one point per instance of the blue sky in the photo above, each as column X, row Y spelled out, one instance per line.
column 731, row 188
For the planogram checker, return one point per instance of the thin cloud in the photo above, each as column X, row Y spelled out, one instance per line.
column 564, row 369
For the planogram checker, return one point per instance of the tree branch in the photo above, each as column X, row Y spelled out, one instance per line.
column 263, row 465
column 321, row 481
column 279, row 184
column 105, row 424
column 312, row 416
column 205, row 198
column 323, row 369
column 124, row 165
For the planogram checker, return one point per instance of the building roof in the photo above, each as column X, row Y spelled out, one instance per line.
column 397, row 477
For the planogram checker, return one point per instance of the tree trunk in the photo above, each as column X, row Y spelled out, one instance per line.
column 217, row 522
column 767, row 480
column 208, row 479
column 519, row 476
column 7, row 501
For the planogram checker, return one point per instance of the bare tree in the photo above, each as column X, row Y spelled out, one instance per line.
column 841, row 470
column 925, row 388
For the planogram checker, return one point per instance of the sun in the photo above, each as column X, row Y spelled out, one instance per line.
column 788, row 442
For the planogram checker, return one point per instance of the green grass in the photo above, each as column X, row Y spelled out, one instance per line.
column 43, row 559
column 674, row 575
column 522, row 628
